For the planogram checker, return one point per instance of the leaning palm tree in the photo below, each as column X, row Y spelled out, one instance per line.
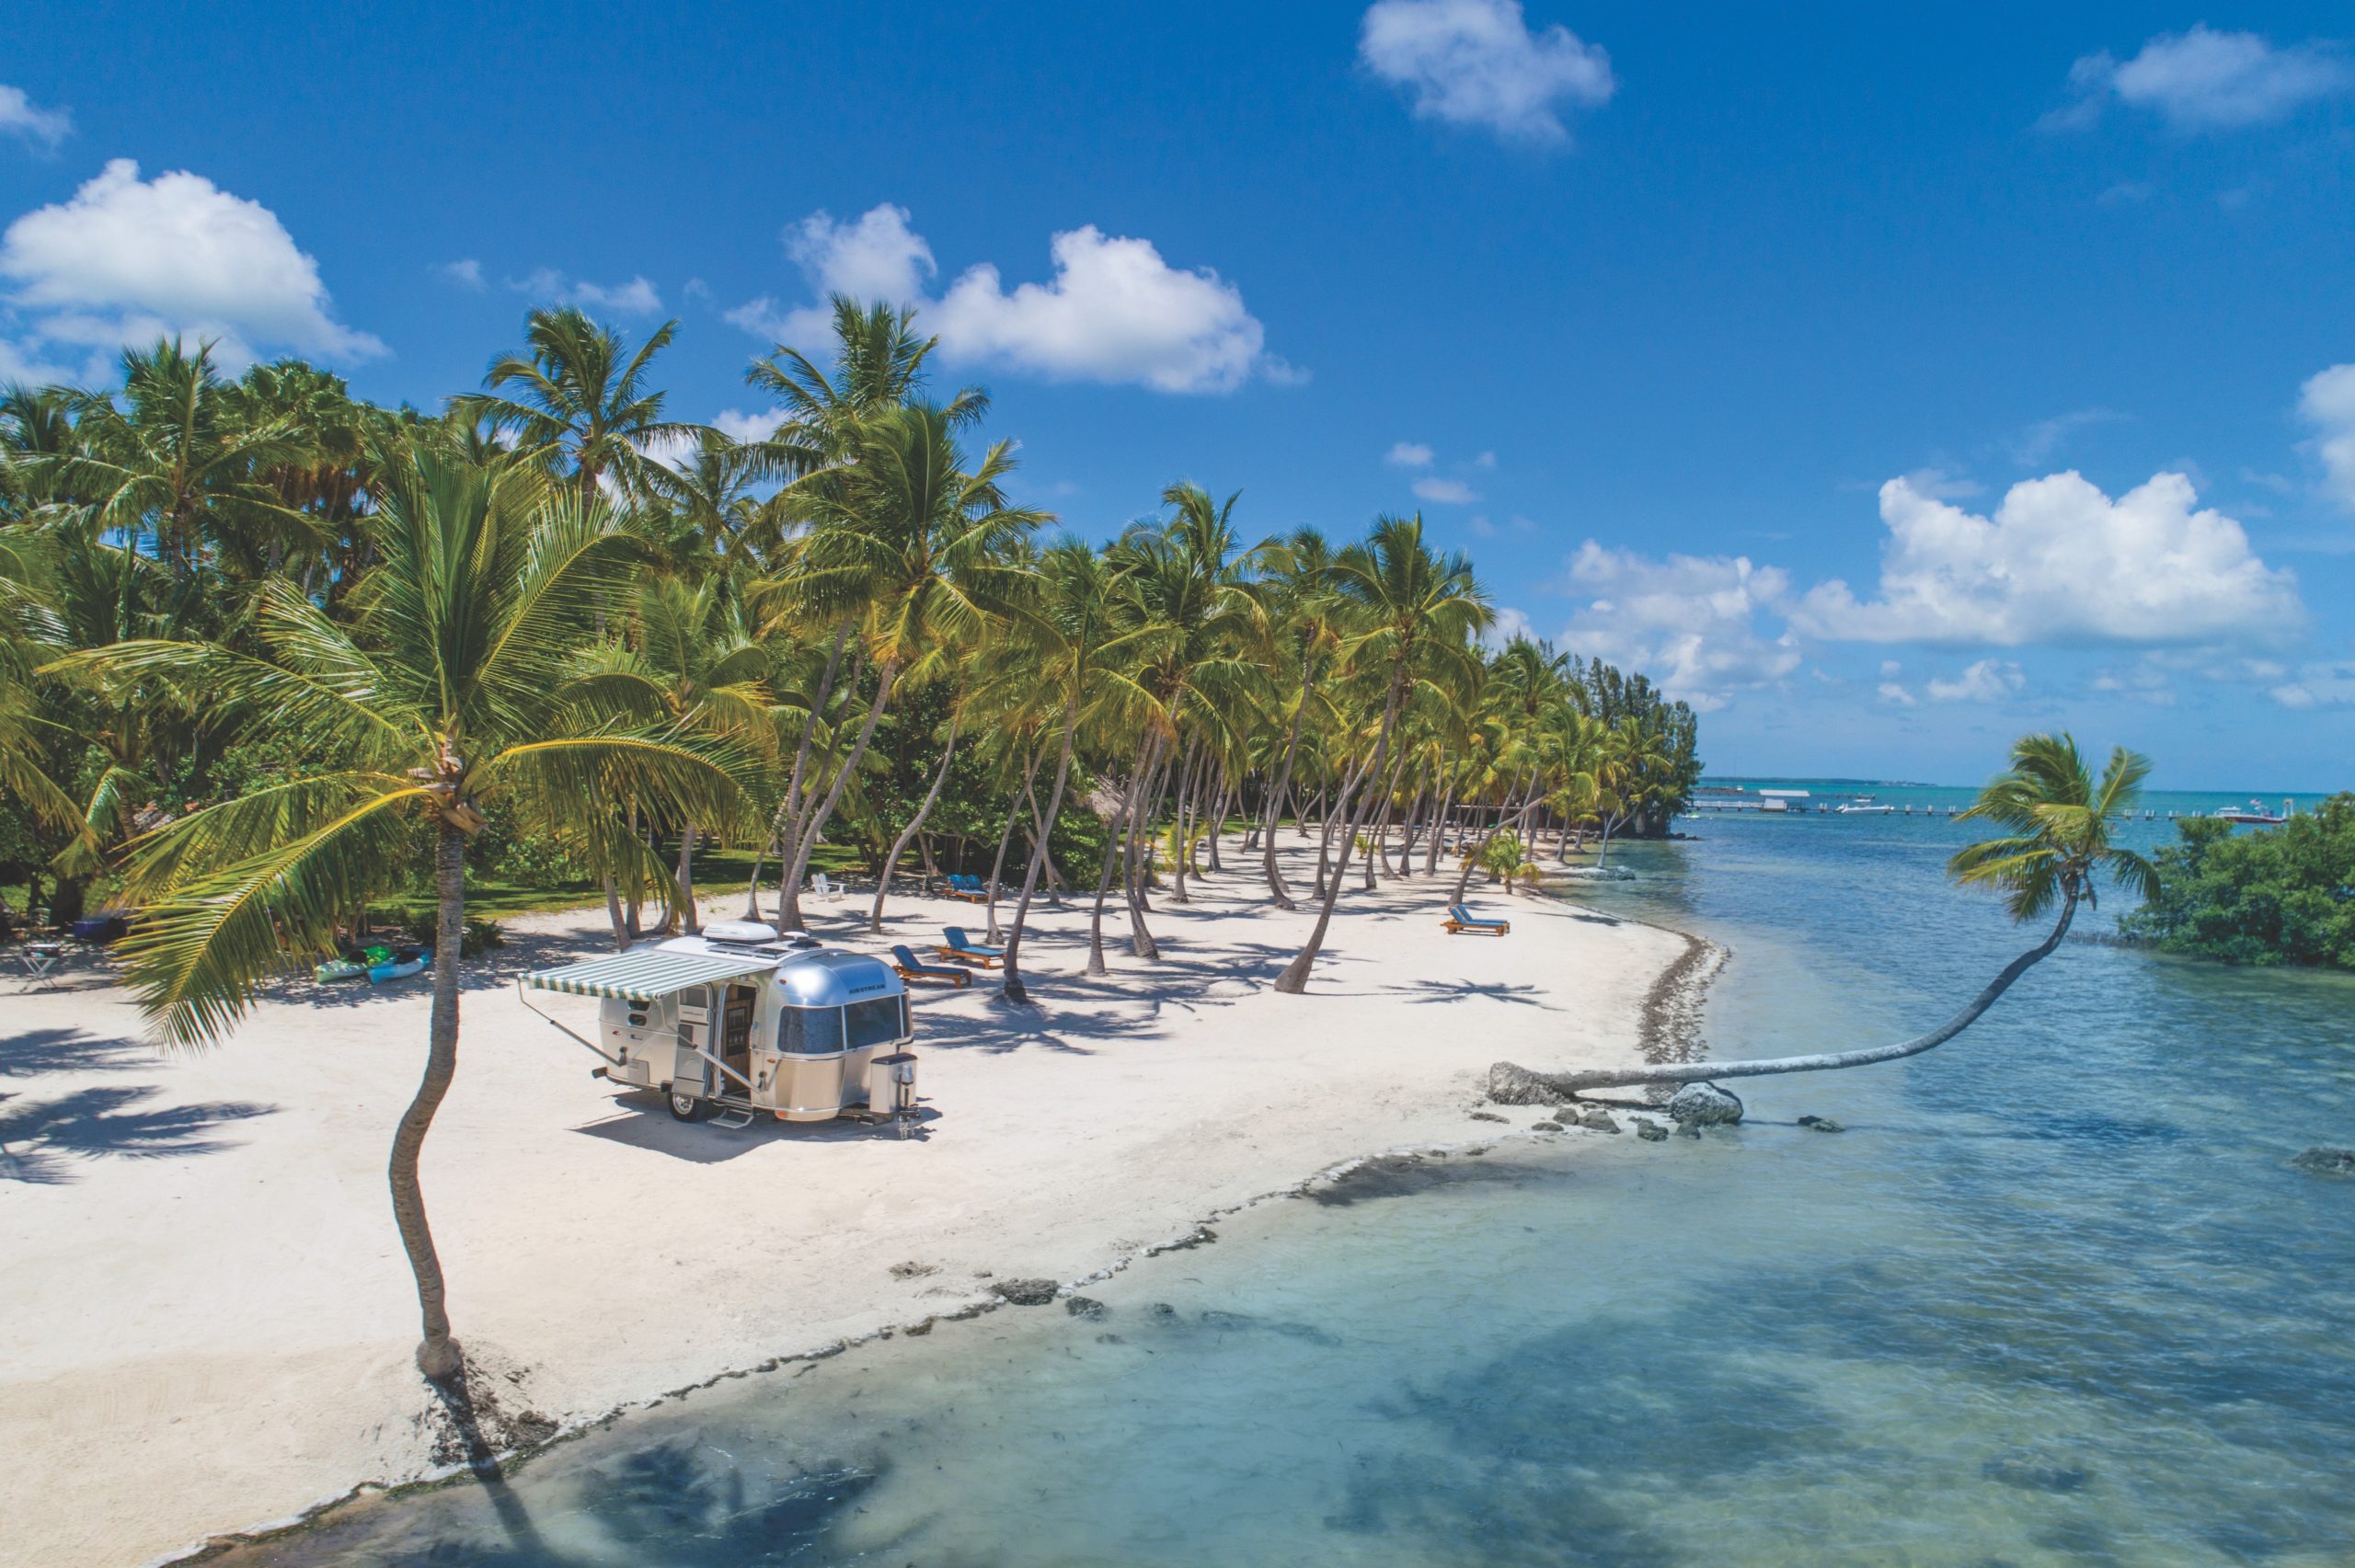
column 1070, row 674
column 908, row 544
column 1419, row 610
column 2058, row 845
column 579, row 403
column 450, row 689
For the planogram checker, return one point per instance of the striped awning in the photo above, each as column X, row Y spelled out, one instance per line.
column 642, row 977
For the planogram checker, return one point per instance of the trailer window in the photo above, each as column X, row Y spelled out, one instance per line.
column 809, row 1031
column 876, row 1023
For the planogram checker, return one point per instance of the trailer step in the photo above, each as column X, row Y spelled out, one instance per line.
column 731, row 1118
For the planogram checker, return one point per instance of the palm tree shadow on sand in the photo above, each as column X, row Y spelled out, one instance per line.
column 39, row 1142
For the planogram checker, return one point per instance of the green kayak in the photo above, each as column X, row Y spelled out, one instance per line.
column 355, row 967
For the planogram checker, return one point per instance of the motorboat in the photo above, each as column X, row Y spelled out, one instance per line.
column 2255, row 814
column 740, row 1022
column 1865, row 808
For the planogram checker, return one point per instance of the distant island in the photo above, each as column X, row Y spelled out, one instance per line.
column 1813, row 783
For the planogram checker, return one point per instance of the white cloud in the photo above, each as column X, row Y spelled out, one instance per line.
column 2036, row 443
column 128, row 260
column 741, row 427
column 1486, row 460
column 1891, row 692
column 466, row 273
column 636, row 297
column 20, row 116
column 1944, row 486
column 1688, row 622
column 2327, row 401
column 1114, row 311
column 23, row 364
column 1445, row 492
column 1476, row 63
column 1989, row 681
column 1408, row 454
column 1508, row 624
column 2061, row 562
column 2319, row 685
column 2205, row 80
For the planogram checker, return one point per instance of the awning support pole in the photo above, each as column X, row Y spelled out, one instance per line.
column 601, row 1052
column 724, row 1068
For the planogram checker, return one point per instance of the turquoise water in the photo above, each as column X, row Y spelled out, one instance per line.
column 2054, row 1297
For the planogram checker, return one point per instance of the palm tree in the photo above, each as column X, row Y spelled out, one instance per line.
column 912, row 547
column 581, row 403
column 2058, row 846
column 1071, row 674
column 450, row 689
column 29, row 629
column 879, row 366
column 178, row 467
column 1190, row 623
column 691, row 657
column 1304, row 610
column 1418, row 608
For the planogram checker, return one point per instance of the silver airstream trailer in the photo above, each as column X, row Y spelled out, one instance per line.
column 740, row 1022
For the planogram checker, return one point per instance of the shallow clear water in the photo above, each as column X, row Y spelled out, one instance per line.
column 2055, row 1297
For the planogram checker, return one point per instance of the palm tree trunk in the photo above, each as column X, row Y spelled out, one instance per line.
column 791, row 805
column 438, row 1356
column 1704, row 1072
column 1181, row 843
column 789, row 917
column 899, row 846
column 1218, row 821
column 1283, row 783
column 1039, row 827
column 1013, row 988
column 1440, row 830
column 1295, row 980
column 997, row 866
column 686, row 880
column 613, row 913
column 634, row 925
column 1378, row 846
column 1095, row 964
column 1141, row 809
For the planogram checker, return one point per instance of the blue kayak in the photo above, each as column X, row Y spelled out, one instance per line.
column 400, row 969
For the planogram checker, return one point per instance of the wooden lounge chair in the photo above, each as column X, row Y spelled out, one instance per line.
column 969, row 888
column 966, row 950
column 911, row 968
column 1461, row 919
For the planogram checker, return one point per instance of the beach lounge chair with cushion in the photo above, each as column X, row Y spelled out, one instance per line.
column 964, row 948
column 1461, row 919
column 969, row 888
column 911, row 968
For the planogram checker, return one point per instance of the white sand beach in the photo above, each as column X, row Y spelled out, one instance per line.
column 210, row 1321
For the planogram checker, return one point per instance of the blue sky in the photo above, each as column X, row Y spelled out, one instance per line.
column 1721, row 338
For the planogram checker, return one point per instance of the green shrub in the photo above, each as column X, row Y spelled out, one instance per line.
column 2282, row 896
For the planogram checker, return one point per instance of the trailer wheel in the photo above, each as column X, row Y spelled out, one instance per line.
column 686, row 1107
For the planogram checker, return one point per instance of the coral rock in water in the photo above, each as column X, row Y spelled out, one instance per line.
column 1704, row 1104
